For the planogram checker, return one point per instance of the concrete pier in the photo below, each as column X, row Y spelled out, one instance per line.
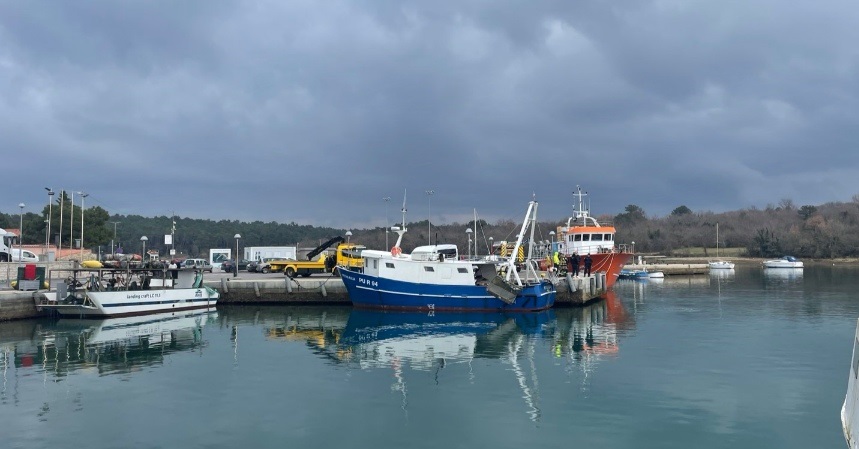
column 268, row 289
column 15, row 305
column 330, row 290
column 671, row 269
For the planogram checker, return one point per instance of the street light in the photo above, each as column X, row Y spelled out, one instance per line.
column 633, row 250
column 236, row 265
column 72, row 224
column 60, row 240
column 45, row 252
column 387, row 200
column 50, row 212
column 114, row 235
column 468, row 233
column 21, row 234
column 348, row 234
column 143, row 240
column 491, row 248
column 83, row 196
column 429, row 214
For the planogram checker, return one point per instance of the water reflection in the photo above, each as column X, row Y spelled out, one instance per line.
column 319, row 327
column 783, row 275
column 108, row 346
column 722, row 274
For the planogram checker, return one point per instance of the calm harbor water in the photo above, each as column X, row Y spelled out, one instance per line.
column 746, row 359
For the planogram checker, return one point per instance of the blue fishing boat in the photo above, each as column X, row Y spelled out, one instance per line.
column 435, row 277
column 633, row 274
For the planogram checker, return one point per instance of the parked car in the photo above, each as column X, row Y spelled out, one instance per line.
column 200, row 264
column 227, row 265
column 252, row 266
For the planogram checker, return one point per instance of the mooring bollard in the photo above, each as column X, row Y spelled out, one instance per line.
column 256, row 289
column 570, row 285
column 224, row 286
column 288, row 284
column 324, row 292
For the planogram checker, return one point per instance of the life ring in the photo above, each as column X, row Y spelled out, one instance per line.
column 396, row 251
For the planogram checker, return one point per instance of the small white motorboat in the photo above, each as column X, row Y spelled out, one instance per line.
column 784, row 262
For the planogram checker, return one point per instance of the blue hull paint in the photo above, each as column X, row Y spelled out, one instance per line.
column 380, row 293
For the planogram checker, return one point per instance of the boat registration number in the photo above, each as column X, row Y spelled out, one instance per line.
column 368, row 282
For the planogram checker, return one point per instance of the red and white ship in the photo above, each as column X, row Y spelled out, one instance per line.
column 585, row 236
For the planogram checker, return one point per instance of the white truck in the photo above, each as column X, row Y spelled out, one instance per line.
column 8, row 252
column 269, row 252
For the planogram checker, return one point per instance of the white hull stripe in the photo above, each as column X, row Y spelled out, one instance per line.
column 442, row 296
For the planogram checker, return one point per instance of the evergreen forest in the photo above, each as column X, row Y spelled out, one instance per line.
column 823, row 231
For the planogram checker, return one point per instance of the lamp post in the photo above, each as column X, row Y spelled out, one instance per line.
column 387, row 200
column 83, row 196
column 72, row 224
column 60, row 240
column 348, row 234
column 468, row 233
column 633, row 252
column 21, row 234
column 429, row 214
column 114, row 235
column 50, row 213
column 47, row 238
column 491, row 247
column 236, row 265
column 143, row 240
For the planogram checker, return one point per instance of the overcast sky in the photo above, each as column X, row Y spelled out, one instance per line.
column 314, row 111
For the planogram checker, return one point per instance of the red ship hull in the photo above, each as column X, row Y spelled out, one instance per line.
column 610, row 264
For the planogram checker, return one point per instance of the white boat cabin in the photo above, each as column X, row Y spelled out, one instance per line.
column 583, row 234
column 431, row 264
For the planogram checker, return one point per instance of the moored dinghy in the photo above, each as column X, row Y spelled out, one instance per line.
column 433, row 277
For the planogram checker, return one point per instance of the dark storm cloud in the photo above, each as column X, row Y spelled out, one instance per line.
column 313, row 112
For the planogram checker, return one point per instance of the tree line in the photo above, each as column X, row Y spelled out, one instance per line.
column 829, row 230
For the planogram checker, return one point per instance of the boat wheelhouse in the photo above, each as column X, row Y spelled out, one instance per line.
column 584, row 235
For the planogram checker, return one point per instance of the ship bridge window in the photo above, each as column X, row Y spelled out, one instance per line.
column 462, row 270
column 449, row 253
column 428, row 269
column 607, row 237
column 389, row 265
column 597, row 237
column 586, row 237
column 578, row 237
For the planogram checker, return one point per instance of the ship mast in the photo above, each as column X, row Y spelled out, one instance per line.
column 579, row 209
column 401, row 230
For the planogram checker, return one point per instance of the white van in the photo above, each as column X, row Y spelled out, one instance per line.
column 28, row 256
column 199, row 264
